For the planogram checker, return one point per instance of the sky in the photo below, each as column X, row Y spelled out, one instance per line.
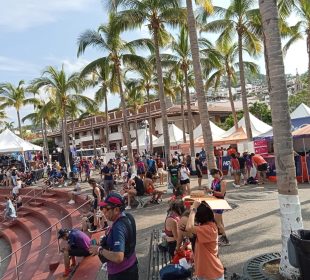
column 38, row 33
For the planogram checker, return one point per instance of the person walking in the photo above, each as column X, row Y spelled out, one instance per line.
column 218, row 190
column 235, row 170
column 160, row 170
column 174, row 172
column 198, row 166
column 184, row 180
column 118, row 247
column 108, row 172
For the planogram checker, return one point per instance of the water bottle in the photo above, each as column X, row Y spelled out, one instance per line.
column 93, row 242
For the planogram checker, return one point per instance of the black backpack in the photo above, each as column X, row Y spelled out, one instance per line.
column 139, row 186
column 130, row 244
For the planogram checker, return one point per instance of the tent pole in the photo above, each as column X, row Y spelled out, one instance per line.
column 303, row 141
column 25, row 165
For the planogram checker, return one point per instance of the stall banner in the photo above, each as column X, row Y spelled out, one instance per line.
column 261, row 147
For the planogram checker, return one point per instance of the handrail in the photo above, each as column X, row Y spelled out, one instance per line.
column 34, row 255
column 43, row 232
column 35, row 196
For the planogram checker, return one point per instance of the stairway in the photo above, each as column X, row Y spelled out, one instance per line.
column 40, row 258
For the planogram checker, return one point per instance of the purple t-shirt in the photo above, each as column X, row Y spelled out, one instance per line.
column 78, row 239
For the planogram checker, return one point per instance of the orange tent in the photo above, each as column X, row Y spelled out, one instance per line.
column 302, row 132
column 234, row 138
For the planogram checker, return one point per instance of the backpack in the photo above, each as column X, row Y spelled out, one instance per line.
column 130, row 243
column 251, row 181
column 151, row 166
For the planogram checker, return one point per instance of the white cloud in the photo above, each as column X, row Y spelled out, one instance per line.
column 296, row 58
column 19, row 15
column 8, row 64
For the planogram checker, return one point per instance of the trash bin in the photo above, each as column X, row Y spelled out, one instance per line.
column 301, row 242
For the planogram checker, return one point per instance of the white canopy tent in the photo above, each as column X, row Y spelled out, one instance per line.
column 9, row 143
column 258, row 127
column 301, row 111
column 144, row 140
column 216, row 131
column 175, row 135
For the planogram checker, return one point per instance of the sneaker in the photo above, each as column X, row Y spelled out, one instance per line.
column 223, row 241
column 71, row 201
column 128, row 207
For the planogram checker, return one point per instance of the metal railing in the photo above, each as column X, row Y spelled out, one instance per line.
column 30, row 241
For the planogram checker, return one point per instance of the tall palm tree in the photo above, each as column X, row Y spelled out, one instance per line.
column 74, row 111
column 290, row 211
column 156, row 14
column 62, row 89
column 200, row 92
column 239, row 19
column 135, row 100
column 182, row 53
column 228, row 67
column 119, row 52
column 101, row 71
column 15, row 96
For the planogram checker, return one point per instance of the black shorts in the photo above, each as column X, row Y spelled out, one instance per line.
column 184, row 182
column 199, row 174
column 262, row 167
column 131, row 273
column 78, row 252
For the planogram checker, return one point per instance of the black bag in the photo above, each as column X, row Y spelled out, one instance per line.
column 174, row 272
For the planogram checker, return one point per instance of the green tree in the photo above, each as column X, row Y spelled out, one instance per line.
column 199, row 87
column 261, row 111
column 101, row 71
column 295, row 100
column 239, row 19
column 157, row 14
column 108, row 40
column 15, row 96
column 62, row 88
column 290, row 211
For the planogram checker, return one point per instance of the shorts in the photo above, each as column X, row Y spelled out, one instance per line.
column 262, row 167
column 131, row 273
column 78, row 252
column 184, row 182
column 235, row 171
column 108, row 186
column 243, row 171
column 199, row 174
column 218, row 211
column 160, row 170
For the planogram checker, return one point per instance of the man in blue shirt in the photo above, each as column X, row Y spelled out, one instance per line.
column 108, row 171
column 117, row 248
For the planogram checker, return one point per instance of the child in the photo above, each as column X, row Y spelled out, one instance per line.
column 76, row 190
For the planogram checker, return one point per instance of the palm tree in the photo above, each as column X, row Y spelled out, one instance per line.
column 228, row 67
column 238, row 19
column 135, row 100
column 156, row 14
column 101, row 75
column 44, row 116
column 301, row 29
column 12, row 96
column 119, row 52
column 74, row 111
column 290, row 211
column 200, row 92
column 62, row 89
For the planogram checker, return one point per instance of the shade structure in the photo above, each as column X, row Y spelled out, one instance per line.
column 175, row 134
column 216, row 131
column 303, row 132
column 9, row 143
column 258, row 127
column 143, row 138
column 267, row 135
column 236, row 137
column 301, row 111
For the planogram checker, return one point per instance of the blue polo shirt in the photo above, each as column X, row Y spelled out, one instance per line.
column 78, row 239
column 116, row 240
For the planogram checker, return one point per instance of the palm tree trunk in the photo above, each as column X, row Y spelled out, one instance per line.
column 19, row 125
column 126, row 124
column 189, row 116
column 290, row 212
column 45, row 140
column 136, row 129
column 182, row 113
column 65, row 141
column 246, row 113
column 231, row 99
column 308, row 51
column 73, row 133
column 150, row 119
column 162, row 99
column 93, row 135
column 266, row 63
column 202, row 102
column 107, row 122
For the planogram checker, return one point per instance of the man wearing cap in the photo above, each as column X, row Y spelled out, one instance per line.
column 117, row 248
column 78, row 244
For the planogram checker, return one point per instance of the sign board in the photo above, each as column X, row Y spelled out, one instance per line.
column 261, row 147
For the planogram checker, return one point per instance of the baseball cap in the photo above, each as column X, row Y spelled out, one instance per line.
column 114, row 200
column 62, row 232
